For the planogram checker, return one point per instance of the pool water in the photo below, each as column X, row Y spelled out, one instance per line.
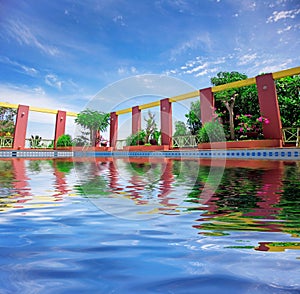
column 104, row 225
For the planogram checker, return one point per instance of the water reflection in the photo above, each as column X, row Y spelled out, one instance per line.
column 253, row 195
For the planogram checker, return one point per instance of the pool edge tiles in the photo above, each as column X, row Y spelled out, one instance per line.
column 267, row 153
column 35, row 154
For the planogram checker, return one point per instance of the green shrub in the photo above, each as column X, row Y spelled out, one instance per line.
column 211, row 132
column 64, row 141
column 136, row 139
column 155, row 136
column 35, row 141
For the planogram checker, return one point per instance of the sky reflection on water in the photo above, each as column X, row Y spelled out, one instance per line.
column 127, row 218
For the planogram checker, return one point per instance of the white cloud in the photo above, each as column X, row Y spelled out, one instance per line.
column 202, row 73
column 36, row 97
column 53, row 81
column 278, row 2
column 271, row 67
column 246, row 59
column 42, row 124
column 24, row 36
column 201, row 40
column 201, row 66
column 281, row 31
column 127, row 70
column 20, row 67
column 278, row 15
column 119, row 19
column 197, row 68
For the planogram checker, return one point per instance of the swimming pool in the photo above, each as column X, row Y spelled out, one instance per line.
column 134, row 225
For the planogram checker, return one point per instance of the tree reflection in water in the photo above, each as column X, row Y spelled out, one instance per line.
column 252, row 195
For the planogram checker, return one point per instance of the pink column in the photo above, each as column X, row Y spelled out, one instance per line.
column 207, row 104
column 136, row 119
column 60, row 125
column 269, row 107
column 20, row 127
column 113, row 129
column 166, row 122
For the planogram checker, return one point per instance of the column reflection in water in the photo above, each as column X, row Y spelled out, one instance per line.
column 248, row 198
column 61, row 169
column 141, row 183
column 33, row 183
column 252, row 195
column 13, row 184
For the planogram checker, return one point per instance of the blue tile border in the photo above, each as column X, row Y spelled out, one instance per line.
column 274, row 154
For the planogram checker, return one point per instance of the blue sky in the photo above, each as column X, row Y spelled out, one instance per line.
column 60, row 54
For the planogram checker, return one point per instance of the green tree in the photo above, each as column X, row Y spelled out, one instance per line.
column 7, row 119
column 194, row 118
column 242, row 100
column 151, row 126
column 93, row 121
column 180, row 129
column 288, row 92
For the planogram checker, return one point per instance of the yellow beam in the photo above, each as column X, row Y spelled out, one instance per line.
column 51, row 111
column 149, row 105
column 36, row 109
column 123, row 111
column 8, row 105
column 286, row 73
column 69, row 113
column 184, row 96
column 43, row 110
column 237, row 84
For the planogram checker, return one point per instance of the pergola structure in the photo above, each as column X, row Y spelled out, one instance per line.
column 267, row 96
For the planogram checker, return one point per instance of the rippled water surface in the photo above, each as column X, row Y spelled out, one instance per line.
column 149, row 226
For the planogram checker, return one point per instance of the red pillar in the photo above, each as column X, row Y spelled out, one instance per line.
column 269, row 107
column 166, row 122
column 136, row 119
column 20, row 127
column 113, row 129
column 207, row 104
column 60, row 125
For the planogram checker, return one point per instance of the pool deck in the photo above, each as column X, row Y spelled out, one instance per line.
column 285, row 153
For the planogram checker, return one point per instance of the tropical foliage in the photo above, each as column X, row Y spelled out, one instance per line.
column 247, row 123
column 194, row 118
column 35, row 141
column 93, row 121
column 136, row 138
column 150, row 135
column 211, row 132
column 234, row 100
column 151, row 126
column 288, row 92
column 180, row 129
column 7, row 120
column 64, row 141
